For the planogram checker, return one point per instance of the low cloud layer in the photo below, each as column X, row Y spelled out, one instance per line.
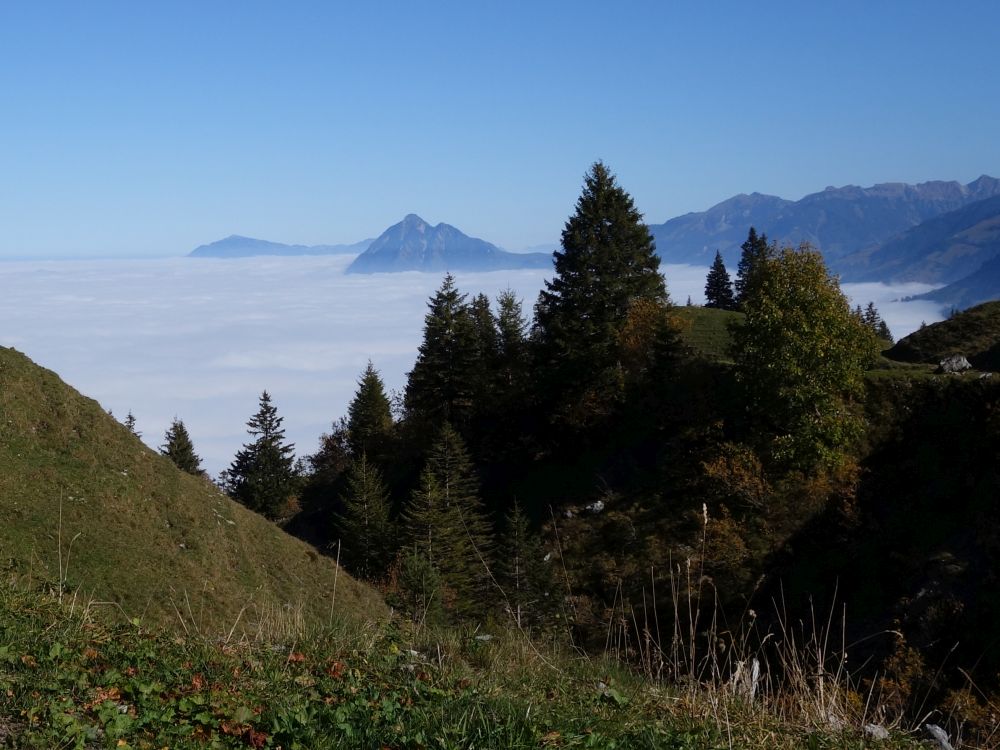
column 201, row 338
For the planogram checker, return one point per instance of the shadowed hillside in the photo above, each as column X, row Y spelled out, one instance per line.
column 973, row 333
column 86, row 503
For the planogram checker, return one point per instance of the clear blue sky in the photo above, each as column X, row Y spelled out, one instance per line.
column 135, row 128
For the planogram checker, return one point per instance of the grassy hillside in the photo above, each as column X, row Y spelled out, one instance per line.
column 974, row 333
column 68, row 681
column 706, row 330
column 90, row 510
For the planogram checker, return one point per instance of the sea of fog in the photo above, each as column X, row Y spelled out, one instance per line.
column 199, row 339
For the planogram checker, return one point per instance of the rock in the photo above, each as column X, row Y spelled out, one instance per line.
column 954, row 363
column 939, row 736
column 876, row 732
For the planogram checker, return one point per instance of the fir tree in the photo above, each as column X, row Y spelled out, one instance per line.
column 718, row 287
column 871, row 318
column 445, row 522
column 369, row 415
column 512, row 343
column 177, row 446
column 262, row 475
column 130, row 424
column 522, row 571
column 364, row 529
column 754, row 252
column 443, row 381
column 607, row 262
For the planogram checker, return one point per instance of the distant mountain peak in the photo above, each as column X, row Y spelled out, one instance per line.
column 415, row 245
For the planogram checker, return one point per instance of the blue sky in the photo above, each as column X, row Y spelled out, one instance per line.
column 145, row 129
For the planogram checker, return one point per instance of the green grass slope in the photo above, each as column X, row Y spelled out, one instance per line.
column 89, row 509
column 706, row 330
column 68, row 681
column 974, row 333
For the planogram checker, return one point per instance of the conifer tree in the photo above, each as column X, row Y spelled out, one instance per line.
column 606, row 263
column 364, row 529
column 262, row 475
column 369, row 415
column 755, row 250
column 522, row 571
column 512, row 344
column 177, row 446
column 442, row 384
column 445, row 521
column 718, row 287
column 130, row 424
column 871, row 318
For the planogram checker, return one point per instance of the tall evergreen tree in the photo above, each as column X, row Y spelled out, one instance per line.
column 718, row 287
column 262, row 475
column 364, row 529
column 870, row 317
column 177, row 446
column 369, row 415
column 512, row 342
column 755, row 250
column 607, row 262
column 445, row 521
column 442, row 384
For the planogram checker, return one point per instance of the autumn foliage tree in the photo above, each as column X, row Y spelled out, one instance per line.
column 800, row 356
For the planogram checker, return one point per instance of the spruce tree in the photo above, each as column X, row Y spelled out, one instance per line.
column 755, row 250
column 522, row 572
column 512, row 343
column 369, row 415
column 130, row 424
column 871, row 318
column 177, row 446
column 262, row 475
column 607, row 262
column 718, row 287
column 445, row 521
column 364, row 529
column 442, row 384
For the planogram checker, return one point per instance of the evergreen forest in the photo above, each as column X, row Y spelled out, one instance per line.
column 584, row 468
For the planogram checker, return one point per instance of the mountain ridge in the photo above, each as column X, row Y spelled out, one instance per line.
column 839, row 221
column 239, row 246
column 415, row 245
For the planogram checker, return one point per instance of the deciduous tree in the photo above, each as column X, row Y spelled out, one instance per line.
column 800, row 356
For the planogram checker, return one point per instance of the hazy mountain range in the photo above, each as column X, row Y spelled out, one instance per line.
column 934, row 232
column 235, row 246
column 842, row 222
